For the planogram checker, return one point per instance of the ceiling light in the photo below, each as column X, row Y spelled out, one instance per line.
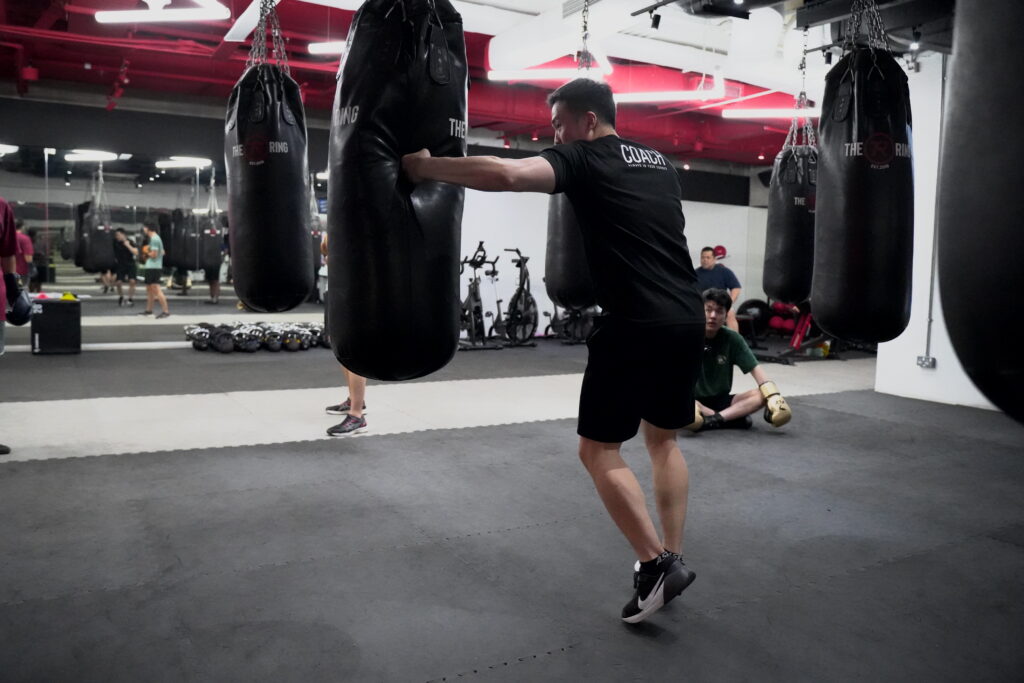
column 655, row 21
column 184, row 162
column 323, row 175
column 89, row 155
column 333, row 47
column 138, row 185
column 760, row 157
column 200, row 212
column 715, row 92
column 67, row 183
column 534, row 136
column 207, row 10
column 8, row 149
column 810, row 113
column 124, row 157
column 686, row 167
column 737, row 2
column 245, row 23
column 916, row 45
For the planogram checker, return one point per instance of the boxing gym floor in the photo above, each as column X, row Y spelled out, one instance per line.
column 176, row 515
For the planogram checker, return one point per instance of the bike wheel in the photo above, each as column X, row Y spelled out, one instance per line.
column 522, row 317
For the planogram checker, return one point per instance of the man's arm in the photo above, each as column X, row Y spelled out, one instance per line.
column 735, row 294
column 9, row 264
column 485, row 173
column 759, row 375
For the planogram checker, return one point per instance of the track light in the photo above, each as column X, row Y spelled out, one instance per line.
column 655, row 20
column 916, row 45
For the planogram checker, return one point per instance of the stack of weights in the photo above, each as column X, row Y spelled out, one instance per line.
column 251, row 337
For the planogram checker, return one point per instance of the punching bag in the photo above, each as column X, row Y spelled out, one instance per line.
column 789, row 241
column 566, row 273
column 174, row 240
column 864, row 222
column 393, row 264
column 980, row 240
column 268, row 201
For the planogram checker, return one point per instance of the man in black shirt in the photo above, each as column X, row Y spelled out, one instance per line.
column 713, row 275
column 645, row 351
column 125, row 253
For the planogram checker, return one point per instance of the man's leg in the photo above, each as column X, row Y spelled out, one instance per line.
column 161, row 298
column 671, row 483
column 622, row 496
column 743, row 404
column 356, row 392
column 150, row 296
column 131, row 289
column 215, row 291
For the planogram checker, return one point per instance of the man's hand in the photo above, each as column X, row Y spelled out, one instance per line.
column 412, row 163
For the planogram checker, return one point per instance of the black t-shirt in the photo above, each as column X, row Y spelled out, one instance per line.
column 628, row 203
column 122, row 255
column 718, row 277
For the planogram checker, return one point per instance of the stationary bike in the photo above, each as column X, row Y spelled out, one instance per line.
column 573, row 327
column 520, row 322
column 472, row 317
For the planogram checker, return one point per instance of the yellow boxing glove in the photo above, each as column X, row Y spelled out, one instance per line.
column 776, row 410
column 698, row 419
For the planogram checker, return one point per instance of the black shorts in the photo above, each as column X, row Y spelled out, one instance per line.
column 717, row 403
column 638, row 373
column 211, row 274
column 153, row 275
column 126, row 272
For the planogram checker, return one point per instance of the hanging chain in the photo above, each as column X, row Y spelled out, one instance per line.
column 862, row 10
column 258, row 51
column 795, row 129
column 585, row 62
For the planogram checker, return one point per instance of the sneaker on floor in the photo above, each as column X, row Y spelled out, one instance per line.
column 342, row 408
column 4, row 450
column 654, row 591
column 120, row 301
column 715, row 421
column 350, row 425
column 739, row 423
column 129, row 303
column 163, row 315
column 145, row 313
column 211, row 302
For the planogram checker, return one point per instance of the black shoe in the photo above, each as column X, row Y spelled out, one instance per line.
column 350, row 425
column 146, row 313
column 654, row 591
column 163, row 315
column 4, row 450
column 739, row 423
column 211, row 301
column 342, row 408
column 120, row 301
column 129, row 303
column 715, row 421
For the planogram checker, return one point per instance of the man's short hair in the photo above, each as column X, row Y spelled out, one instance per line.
column 707, row 249
column 150, row 226
column 718, row 296
column 582, row 95
column 120, row 230
column 19, row 224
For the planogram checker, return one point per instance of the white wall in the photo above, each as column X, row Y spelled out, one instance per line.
column 897, row 371
column 520, row 220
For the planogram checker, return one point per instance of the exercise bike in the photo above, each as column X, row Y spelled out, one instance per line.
column 520, row 321
column 472, row 315
column 573, row 327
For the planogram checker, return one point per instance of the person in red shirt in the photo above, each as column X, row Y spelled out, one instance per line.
column 8, row 268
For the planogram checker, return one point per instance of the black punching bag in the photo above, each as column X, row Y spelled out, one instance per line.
column 980, row 240
column 864, row 222
column 789, row 241
column 566, row 273
column 393, row 263
column 268, row 191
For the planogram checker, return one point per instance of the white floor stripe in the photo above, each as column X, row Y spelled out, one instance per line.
column 212, row 317
column 77, row 428
column 116, row 346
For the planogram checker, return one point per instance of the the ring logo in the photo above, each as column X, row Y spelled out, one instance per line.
column 879, row 149
column 347, row 115
column 457, row 128
column 256, row 150
column 637, row 157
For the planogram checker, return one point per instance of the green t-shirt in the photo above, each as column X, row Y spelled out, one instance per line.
column 724, row 350
column 156, row 247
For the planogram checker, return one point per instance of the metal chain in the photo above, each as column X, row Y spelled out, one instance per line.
column 586, row 60
column 258, row 51
column 795, row 129
column 877, row 37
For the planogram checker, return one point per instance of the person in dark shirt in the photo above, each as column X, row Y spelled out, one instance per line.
column 645, row 350
column 125, row 255
column 713, row 275
column 724, row 349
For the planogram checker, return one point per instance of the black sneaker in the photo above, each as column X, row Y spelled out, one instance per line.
column 120, row 301
column 163, row 315
column 342, row 408
column 654, row 591
column 715, row 421
column 350, row 425
column 739, row 423
column 145, row 313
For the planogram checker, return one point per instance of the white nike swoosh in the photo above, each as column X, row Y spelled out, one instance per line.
column 654, row 591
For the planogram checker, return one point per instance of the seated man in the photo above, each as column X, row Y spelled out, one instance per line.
column 717, row 408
